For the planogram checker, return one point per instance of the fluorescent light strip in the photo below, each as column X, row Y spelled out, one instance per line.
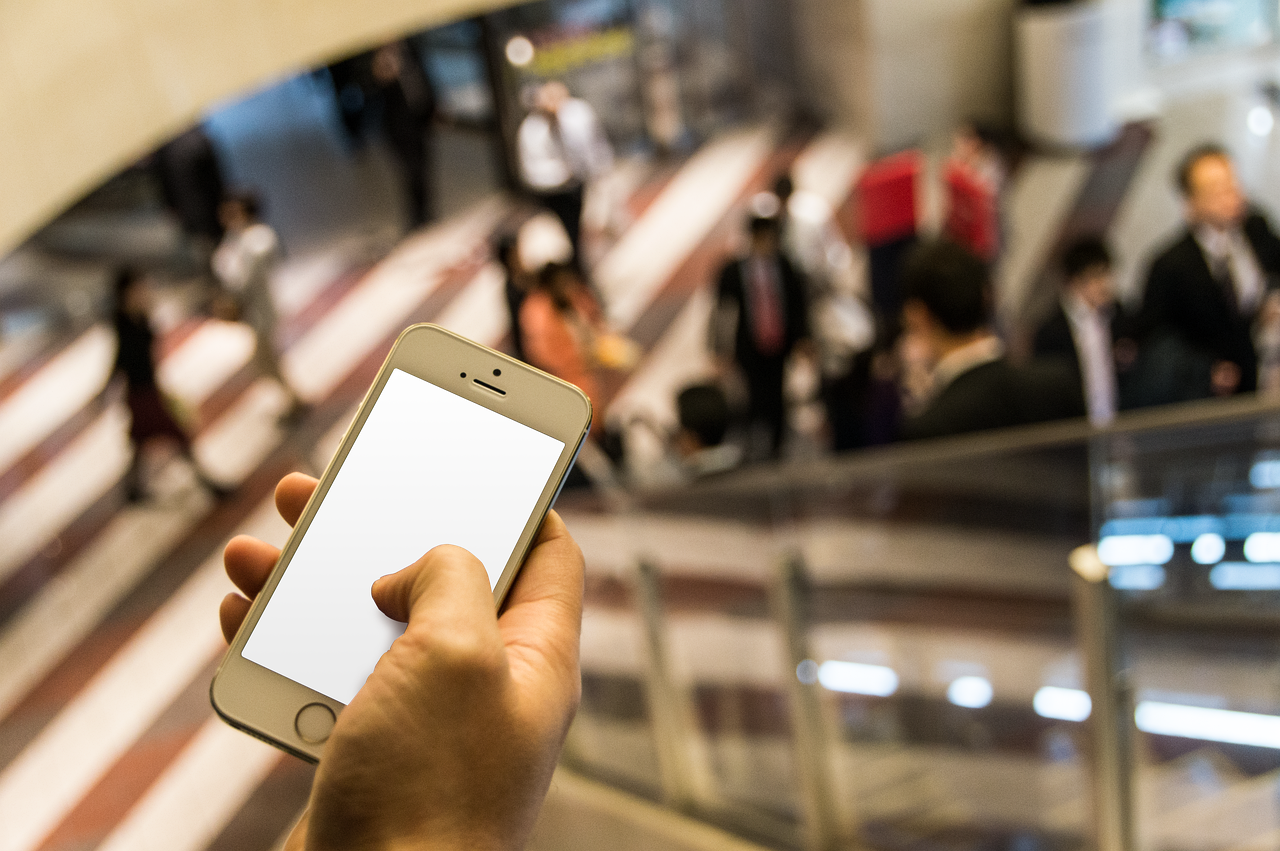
column 1062, row 704
column 1184, row 530
column 1262, row 546
column 1209, row 725
column 1265, row 474
column 1123, row 550
column 970, row 692
column 1137, row 577
column 1181, row 530
column 858, row 678
column 1208, row 548
column 1240, row 525
column 1242, row 576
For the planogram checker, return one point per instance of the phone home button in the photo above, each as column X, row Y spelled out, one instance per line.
column 314, row 723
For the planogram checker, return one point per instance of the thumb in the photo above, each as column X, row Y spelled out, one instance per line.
column 448, row 582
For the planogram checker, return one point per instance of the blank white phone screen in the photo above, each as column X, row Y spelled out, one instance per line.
column 429, row 467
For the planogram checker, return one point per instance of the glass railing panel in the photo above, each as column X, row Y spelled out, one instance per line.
column 683, row 669
column 937, row 604
column 726, row 664
column 1185, row 521
column 612, row 736
column 949, row 742
column 890, row 650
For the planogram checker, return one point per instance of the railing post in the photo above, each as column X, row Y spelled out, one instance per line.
column 813, row 770
column 1111, row 719
column 668, row 708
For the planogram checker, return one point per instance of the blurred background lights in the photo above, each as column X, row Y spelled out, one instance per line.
column 1137, row 577
column 807, row 672
column 1062, row 704
column 519, row 51
column 1262, row 546
column 1243, row 576
column 1209, row 725
column 970, row 692
column 857, row 678
column 1260, row 121
column 1208, row 548
column 1265, row 474
column 1115, row 550
column 765, row 204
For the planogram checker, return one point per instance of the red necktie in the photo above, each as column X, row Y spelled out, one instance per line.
column 766, row 308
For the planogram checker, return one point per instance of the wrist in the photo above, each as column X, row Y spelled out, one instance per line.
column 439, row 843
column 298, row 841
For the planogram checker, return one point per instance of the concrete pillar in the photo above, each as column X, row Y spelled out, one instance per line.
column 903, row 71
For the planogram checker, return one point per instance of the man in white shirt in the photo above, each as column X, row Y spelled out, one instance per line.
column 562, row 147
column 1080, row 331
column 244, row 263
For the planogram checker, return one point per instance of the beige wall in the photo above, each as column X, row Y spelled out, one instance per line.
column 940, row 62
column 832, row 35
column 90, row 85
column 902, row 70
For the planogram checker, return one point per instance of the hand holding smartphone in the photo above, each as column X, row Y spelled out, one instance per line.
column 415, row 760
column 454, row 444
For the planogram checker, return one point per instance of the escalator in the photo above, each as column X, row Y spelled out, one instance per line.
column 892, row 650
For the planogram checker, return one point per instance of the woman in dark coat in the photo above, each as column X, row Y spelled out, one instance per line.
column 149, row 417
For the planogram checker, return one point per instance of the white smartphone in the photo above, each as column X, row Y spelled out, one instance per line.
column 454, row 444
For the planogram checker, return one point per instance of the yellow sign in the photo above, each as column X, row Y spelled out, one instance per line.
column 556, row 58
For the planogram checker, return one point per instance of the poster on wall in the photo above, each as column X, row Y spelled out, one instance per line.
column 1183, row 28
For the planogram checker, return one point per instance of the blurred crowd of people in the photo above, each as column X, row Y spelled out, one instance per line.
column 792, row 337
column 801, row 344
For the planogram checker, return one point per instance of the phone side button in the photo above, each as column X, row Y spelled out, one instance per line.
column 314, row 723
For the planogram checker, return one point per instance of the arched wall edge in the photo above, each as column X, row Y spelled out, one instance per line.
column 91, row 85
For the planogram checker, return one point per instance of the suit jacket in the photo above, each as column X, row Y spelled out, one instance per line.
column 997, row 394
column 731, row 294
column 1054, row 338
column 1055, row 341
column 1185, row 300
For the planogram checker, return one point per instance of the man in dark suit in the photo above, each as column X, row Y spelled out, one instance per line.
column 946, row 315
column 761, row 317
column 191, row 179
column 407, row 105
column 1082, row 330
column 1205, row 290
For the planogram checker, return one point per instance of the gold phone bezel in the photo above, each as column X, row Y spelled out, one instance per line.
column 265, row 704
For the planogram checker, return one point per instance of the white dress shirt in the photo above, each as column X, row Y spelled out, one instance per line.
column 244, row 262
column 1230, row 251
column 968, row 357
column 1091, row 332
column 579, row 153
